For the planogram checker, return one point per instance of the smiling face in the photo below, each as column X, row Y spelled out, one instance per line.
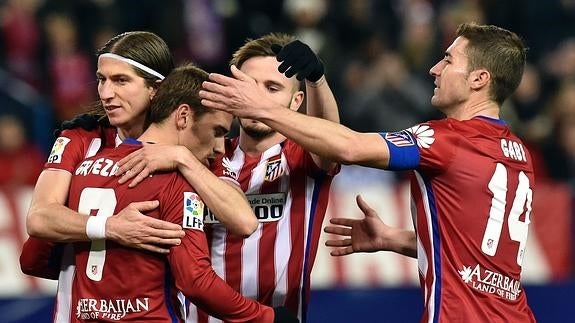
column 451, row 78
column 124, row 95
column 205, row 135
column 276, row 86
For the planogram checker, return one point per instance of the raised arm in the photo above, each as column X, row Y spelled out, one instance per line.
column 322, row 137
column 236, row 214
column 298, row 59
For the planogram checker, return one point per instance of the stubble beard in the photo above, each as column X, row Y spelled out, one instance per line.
column 255, row 132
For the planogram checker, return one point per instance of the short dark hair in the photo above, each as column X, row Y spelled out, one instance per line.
column 499, row 51
column 181, row 86
column 259, row 47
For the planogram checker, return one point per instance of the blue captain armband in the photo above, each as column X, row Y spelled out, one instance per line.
column 403, row 151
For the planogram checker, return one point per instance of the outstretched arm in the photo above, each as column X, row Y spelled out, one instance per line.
column 369, row 234
column 236, row 214
column 242, row 97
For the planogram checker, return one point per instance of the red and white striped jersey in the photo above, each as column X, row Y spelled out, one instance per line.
column 289, row 195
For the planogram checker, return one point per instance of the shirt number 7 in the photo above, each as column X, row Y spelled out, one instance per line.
column 103, row 200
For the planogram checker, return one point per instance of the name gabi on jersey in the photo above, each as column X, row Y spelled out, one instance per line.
column 110, row 309
column 267, row 207
column 513, row 150
column 101, row 166
column 491, row 282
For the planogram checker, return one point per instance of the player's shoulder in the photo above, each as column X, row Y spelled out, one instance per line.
column 79, row 134
column 291, row 148
column 449, row 127
column 169, row 179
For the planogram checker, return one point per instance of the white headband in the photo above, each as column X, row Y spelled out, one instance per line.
column 133, row 63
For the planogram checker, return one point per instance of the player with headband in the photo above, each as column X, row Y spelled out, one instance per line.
column 130, row 67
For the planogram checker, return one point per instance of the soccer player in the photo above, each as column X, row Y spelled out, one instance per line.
column 287, row 186
column 472, row 185
column 130, row 67
column 48, row 216
column 116, row 283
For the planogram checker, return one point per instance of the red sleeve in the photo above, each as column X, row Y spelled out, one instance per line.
column 74, row 145
column 300, row 158
column 191, row 266
column 69, row 149
column 41, row 258
column 437, row 143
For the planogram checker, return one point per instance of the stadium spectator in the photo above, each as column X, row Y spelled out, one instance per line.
column 20, row 160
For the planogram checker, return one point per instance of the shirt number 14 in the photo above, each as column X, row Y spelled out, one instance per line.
column 518, row 230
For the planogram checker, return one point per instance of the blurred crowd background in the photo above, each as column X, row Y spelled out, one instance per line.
column 377, row 56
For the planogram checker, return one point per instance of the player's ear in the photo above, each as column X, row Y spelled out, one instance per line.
column 479, row 78
column 183, row 116
column 296, row 100
column 154, row 89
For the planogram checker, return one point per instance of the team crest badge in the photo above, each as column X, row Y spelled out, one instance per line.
column 57, row 150
column 399, row 139
column 273, row 170
column 193, row 212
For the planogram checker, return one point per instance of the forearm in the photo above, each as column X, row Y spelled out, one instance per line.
column 321, row 103
column 208, row 290
column 320, row 100
column 48, row 217
column 55, row 222
column 405, row 243
column 41, row 258
column 195, row 277
column 321, row 137
column 226, row 201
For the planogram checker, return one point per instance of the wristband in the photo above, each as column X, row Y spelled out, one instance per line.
column 96, row 227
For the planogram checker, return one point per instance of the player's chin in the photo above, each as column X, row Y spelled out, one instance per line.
column 435, row 101
column 116, row 119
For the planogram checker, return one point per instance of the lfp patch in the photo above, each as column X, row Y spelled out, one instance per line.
column 193, row 212
column 57, row 150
